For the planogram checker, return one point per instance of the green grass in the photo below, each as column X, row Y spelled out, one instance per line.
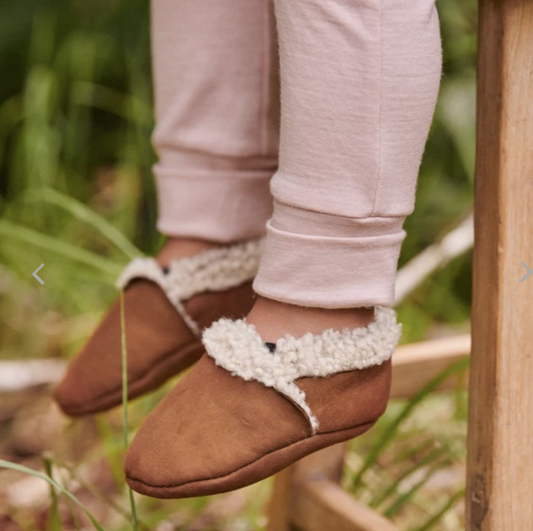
column 55, row 485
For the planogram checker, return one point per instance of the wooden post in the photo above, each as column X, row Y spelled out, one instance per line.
column 500, row 460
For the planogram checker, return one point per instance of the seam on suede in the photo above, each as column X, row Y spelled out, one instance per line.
column 237, row 347
column 173, row 486
column 215, row 270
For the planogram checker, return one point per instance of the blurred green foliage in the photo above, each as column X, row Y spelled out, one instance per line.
column 445, row 187
column 75, row 117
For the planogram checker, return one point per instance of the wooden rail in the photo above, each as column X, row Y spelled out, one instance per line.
column 310, row 498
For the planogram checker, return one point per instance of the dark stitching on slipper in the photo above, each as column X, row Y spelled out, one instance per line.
column 271, row 347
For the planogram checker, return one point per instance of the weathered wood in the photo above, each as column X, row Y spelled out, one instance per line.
column 308, row 497
column 500, row 447
column 16, row 375
column 416, row 364
column 321, row 505
column 326, row 464
column 318, row 502
column 279, row 506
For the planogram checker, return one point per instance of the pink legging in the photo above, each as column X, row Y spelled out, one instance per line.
column 359, row 81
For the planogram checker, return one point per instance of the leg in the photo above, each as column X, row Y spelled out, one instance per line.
column 359, row 84
column 216, row 86
column 217, row 106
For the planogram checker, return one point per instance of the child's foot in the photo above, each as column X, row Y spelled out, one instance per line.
column 167, row 301
column 261, row 399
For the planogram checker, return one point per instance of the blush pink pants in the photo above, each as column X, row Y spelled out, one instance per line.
column 359, row 81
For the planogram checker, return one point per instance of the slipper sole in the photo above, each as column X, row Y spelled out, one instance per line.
column 166, row 367
column 259, row 469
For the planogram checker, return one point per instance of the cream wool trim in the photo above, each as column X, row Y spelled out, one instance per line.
column 238, row 348
column 214, row 270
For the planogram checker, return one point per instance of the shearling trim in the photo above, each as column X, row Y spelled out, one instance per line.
column 238, row 348
column 149, row 269
column 214, row 270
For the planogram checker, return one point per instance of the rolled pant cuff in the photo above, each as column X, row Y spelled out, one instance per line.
column 329, row 272
column 219, row 206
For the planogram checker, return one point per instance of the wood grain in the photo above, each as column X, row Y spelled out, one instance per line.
column 327, row 464
column 500, row 458
column 279, row 505
column 416, row 364
column 321, row 505
column 307, row 496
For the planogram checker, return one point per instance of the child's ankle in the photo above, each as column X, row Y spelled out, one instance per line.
column 179, row 247
column 273, row 319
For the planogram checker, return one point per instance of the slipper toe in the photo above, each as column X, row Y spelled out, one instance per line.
column 203, row 437
column 93, row 381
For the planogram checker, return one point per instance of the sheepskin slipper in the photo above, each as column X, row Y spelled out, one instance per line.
column 165, row 313
column 249, row 409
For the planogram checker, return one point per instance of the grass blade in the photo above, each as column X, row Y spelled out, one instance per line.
column 38, row 239
column 393, row 487
column 54, row 522
column 426, row 526
column 118, row 103
column 50, row 481
column 391, row 430
column 100, row 495
column 83, row 213
column 404, row 498
column 72, row 512
column 125, row 400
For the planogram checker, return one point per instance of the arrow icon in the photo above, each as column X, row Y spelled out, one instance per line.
column 37, row 277
column 528, row 272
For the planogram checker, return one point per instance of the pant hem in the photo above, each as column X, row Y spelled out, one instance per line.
column 329, row 272
column 223, row 206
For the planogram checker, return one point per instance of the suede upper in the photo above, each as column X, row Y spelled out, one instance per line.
column 159, row 345
column 213, row 431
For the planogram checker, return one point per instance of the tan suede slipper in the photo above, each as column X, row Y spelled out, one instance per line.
column 249, row 409
column 165, row 312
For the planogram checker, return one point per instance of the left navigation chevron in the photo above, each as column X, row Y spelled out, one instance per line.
column 37, row 277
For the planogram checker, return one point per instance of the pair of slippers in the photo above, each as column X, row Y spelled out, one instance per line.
column 247, row 409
